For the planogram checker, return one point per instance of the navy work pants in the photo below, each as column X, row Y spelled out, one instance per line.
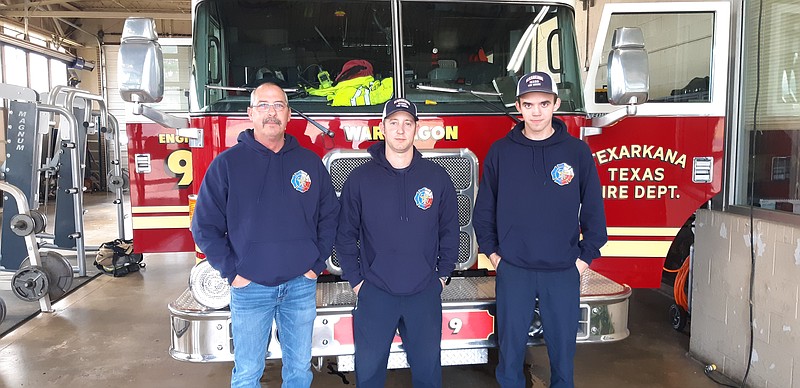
column 559, row 306
column 417, row 317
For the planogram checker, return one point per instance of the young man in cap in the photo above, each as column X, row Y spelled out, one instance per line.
column 402, row 210
column 539, row 193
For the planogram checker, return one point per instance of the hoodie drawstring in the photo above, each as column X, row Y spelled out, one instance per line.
column 403, row 207
column 544, row 166
column 283, row 173
column 542, row 156
column 263, row 182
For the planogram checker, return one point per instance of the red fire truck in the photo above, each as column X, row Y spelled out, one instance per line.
column 658, row 161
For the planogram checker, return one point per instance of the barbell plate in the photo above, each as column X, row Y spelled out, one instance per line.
column 22, row 225
column 30, row 283
column 58, row 270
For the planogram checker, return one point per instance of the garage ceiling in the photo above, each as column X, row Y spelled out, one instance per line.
column 96, row 9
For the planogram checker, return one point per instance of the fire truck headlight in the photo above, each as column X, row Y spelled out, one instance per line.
column 208, row 287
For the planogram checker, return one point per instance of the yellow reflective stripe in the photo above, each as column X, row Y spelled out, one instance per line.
column 160, row 209
column 632, row 231
column 162, row 222
column 621, row 248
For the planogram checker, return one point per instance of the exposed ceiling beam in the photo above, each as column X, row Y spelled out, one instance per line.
column 34, row 4
column 96, row 14
column 69, row 58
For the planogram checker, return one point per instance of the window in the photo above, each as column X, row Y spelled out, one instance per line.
column 39, row 71
column 679, row 54
column 177, row 71
column 469, row 46
column 58, row 72
column 769, row 127
column 16, row 66
column 296, row 44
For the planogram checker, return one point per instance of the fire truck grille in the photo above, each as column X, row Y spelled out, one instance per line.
column 464, row 251
column 334, row 259
column 464, row 247
column 460, row 170
column 461, row 166
column 341, row 169
column 464, row 210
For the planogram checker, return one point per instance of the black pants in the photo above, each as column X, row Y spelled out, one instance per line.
column 417, row 317
column 559, row 306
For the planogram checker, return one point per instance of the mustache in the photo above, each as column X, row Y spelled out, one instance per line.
column 271, row 120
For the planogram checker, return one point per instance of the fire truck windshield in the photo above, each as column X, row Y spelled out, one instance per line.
column 343, row 55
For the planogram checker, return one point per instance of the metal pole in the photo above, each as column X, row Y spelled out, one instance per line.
column 77, row 182
column 397, row 48
column 114, row 130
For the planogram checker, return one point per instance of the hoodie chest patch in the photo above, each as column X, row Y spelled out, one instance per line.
column 424, row 198
column 301, row 181
column 562, row 174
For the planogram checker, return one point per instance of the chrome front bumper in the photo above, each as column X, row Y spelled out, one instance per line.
column 468, row 307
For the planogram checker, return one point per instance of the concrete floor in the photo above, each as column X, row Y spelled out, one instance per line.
column 114, row 332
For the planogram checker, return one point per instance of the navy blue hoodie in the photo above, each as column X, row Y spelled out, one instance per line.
column 266, row 216
column 536, row 198
column 406, row 221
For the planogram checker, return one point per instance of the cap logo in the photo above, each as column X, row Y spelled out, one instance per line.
column 301, row 181
column 534, row 80
column 424, row 198
column 562, row 174
column 402, row 103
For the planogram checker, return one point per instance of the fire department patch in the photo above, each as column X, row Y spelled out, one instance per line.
column 424, row 198
column 301, row 181
column 562, row 174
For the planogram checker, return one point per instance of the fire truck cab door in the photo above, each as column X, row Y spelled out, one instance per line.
column 662, row 163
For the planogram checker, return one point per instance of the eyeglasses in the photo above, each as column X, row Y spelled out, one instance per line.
column 264, row 106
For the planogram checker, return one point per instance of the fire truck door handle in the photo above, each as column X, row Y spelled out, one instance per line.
column 590, row 131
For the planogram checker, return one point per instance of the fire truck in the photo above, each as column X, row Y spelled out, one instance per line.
column 651, row 110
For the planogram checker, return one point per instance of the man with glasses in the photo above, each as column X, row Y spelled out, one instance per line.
column 539, row 217
column 266, row 218
column 397, row 244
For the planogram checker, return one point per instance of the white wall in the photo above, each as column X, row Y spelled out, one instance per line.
column 720, row 293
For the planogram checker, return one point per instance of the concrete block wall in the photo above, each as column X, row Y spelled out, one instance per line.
column 720, row 291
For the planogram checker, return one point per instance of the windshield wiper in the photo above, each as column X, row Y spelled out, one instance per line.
column 245, row 88
column 501, row 109
column 290, row 93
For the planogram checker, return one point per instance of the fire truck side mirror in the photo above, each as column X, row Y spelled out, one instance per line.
column 141, row 64
column 628, row 68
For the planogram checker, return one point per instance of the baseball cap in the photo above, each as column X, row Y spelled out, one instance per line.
column 536, row 82
column 399, row 105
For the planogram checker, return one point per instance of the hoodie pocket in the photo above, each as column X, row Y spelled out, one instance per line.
column 402, row 273
column 274, row 262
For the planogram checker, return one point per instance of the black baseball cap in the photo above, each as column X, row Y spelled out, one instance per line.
column 400, row 105
column 536, row 82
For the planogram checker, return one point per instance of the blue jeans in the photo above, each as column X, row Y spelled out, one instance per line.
column 293, row 306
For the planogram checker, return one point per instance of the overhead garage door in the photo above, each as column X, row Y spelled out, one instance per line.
column 177, row 70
